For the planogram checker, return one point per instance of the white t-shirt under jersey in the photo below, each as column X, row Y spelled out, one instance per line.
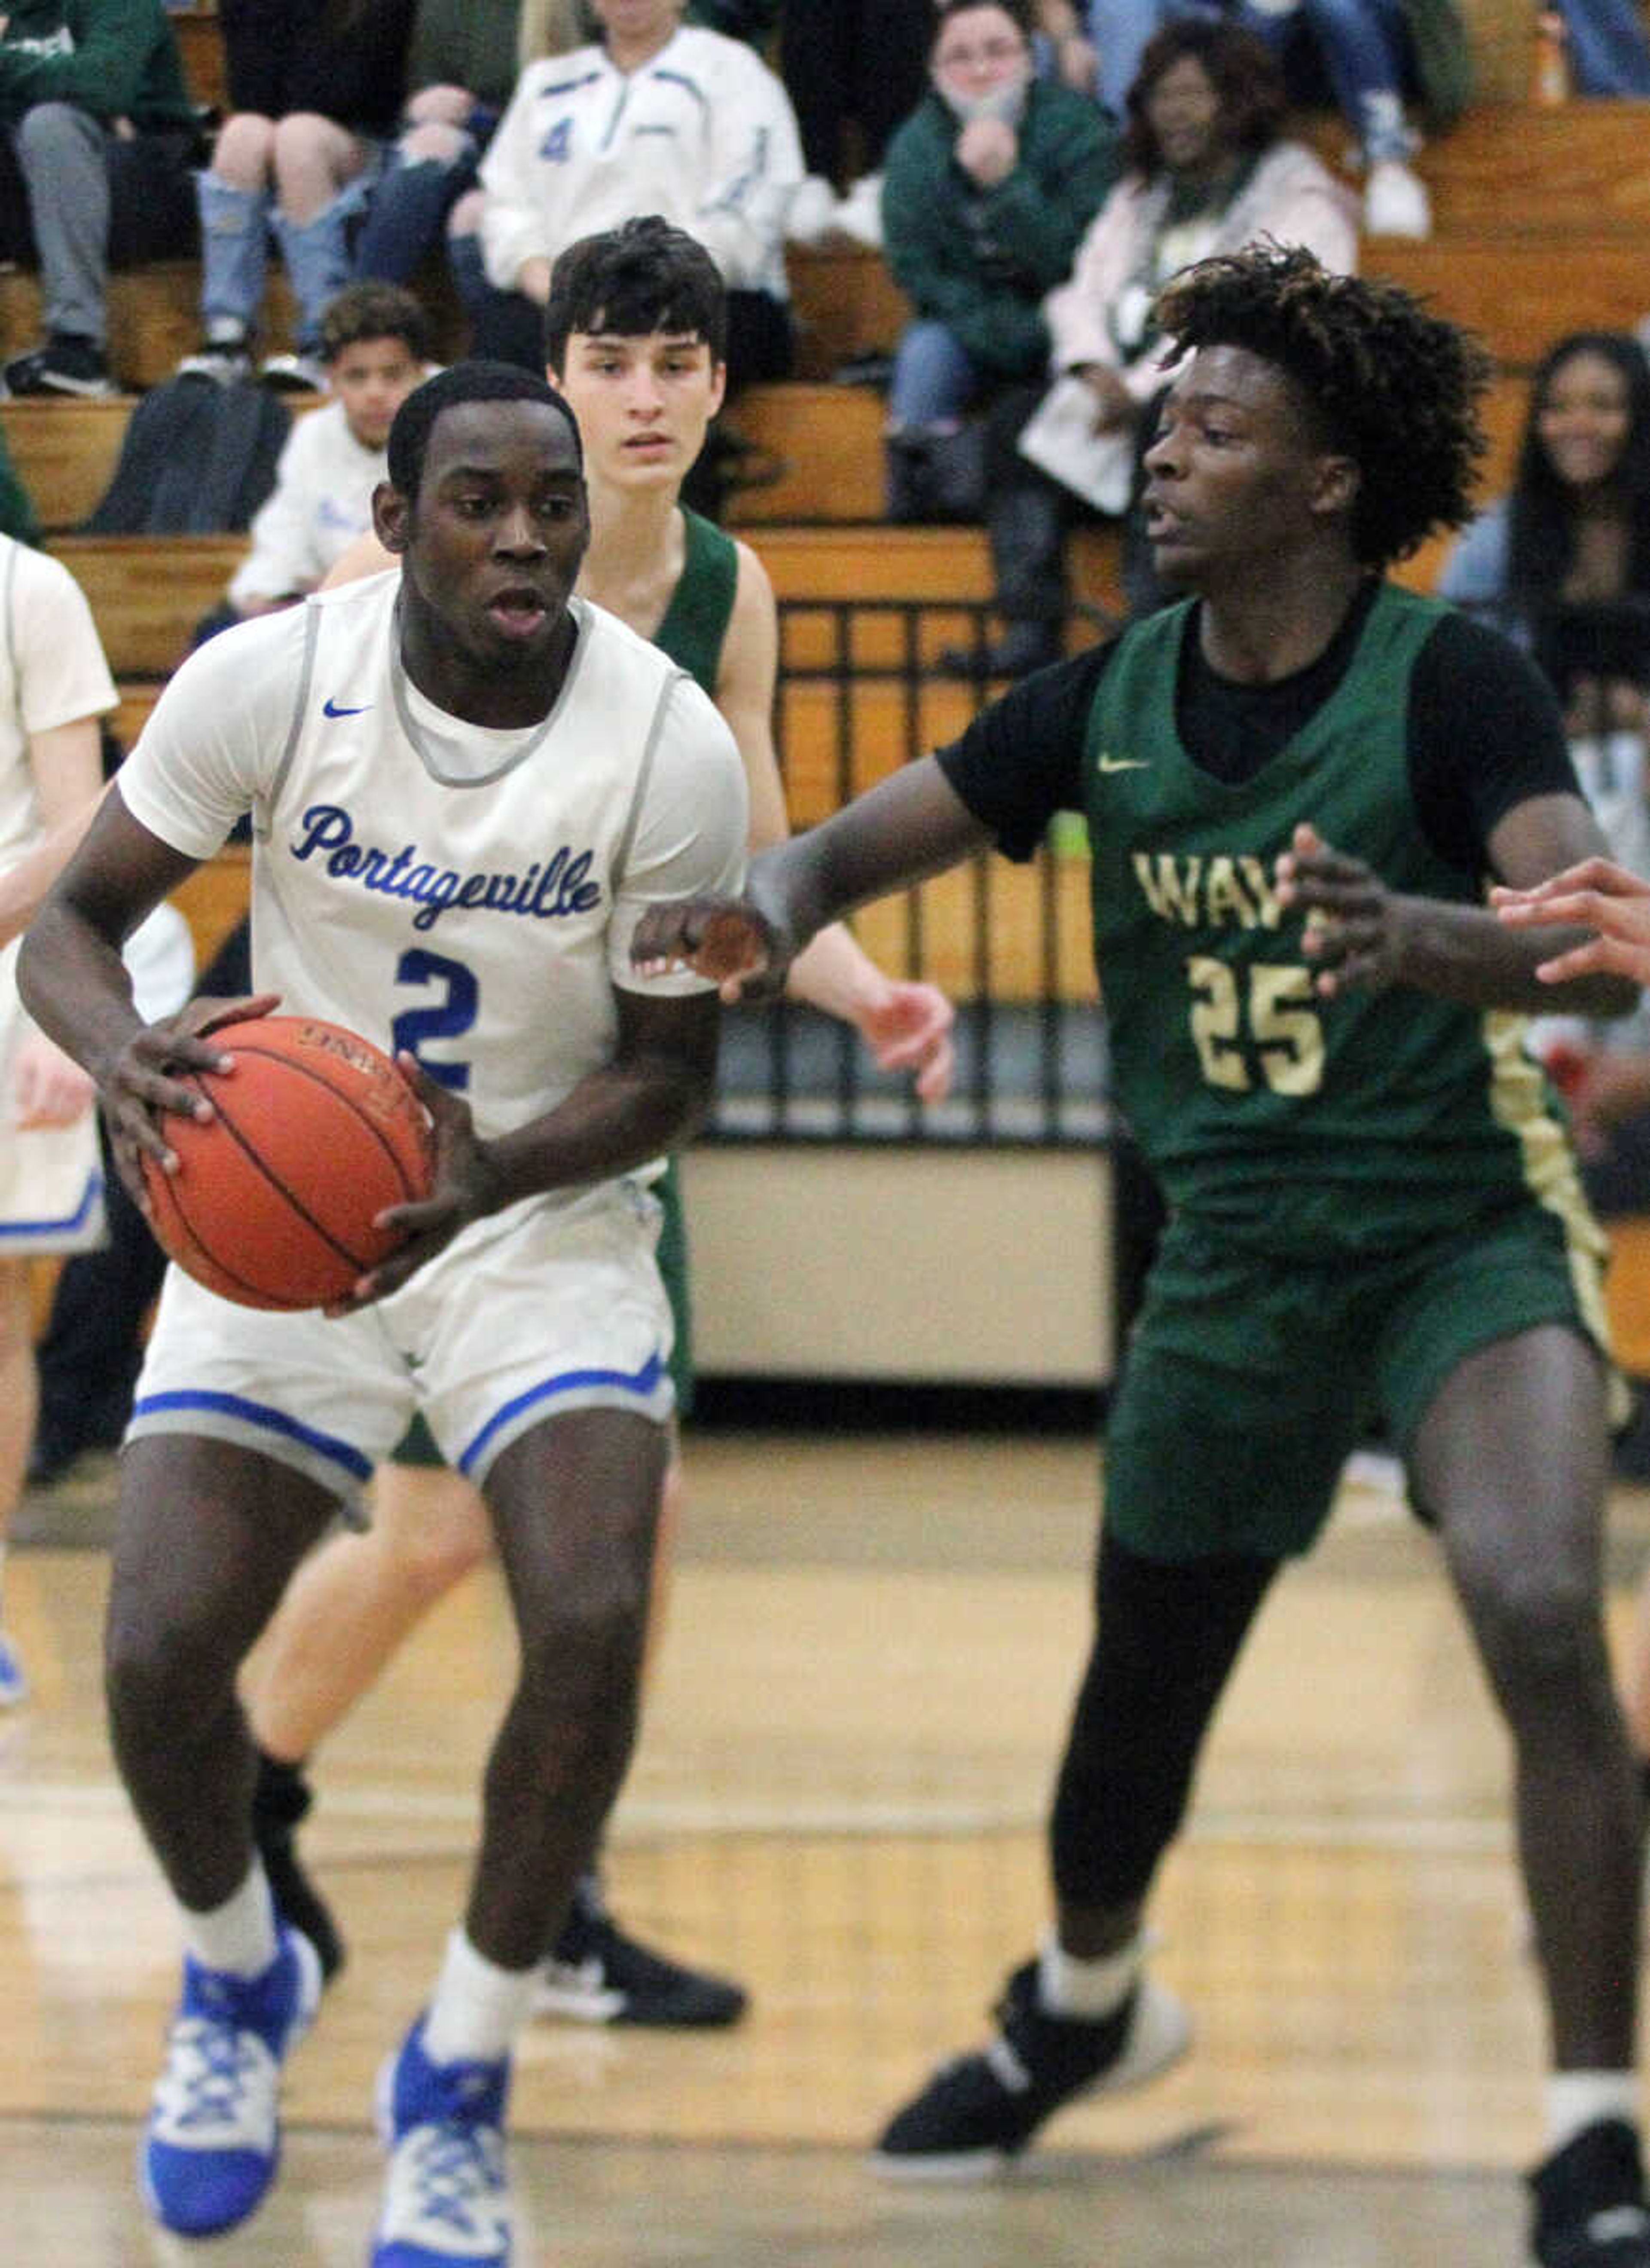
column 467, row 893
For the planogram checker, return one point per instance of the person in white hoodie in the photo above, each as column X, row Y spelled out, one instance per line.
column 374, row 345
column 655, row 117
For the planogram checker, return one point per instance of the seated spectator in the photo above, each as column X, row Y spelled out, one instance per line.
column 1358, row 51
column 373, row 348
column 990, row 186
column 315, row 88
column 464, row 59
column 1208, row 172
column 98, row 138
column 1575, row 524
column 658, row 117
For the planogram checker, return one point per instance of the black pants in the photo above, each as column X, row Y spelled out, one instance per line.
column 860, row 67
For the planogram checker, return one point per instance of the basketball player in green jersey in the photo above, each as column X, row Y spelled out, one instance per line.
column 1297, row 782
column 634, row 341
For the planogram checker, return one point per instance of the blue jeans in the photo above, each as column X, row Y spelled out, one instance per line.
column 934, row 377
column 1357, row 50
column 235, row 229
column 1608, row 52
column 406, row 218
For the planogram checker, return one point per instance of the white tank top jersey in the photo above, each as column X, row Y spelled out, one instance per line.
column 466, row 892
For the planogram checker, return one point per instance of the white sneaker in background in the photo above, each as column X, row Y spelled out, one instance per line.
column 812, row 214
column 859, row 214
column 1395, row 203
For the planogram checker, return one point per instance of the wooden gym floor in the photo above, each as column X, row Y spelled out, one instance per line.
column 838, row 1798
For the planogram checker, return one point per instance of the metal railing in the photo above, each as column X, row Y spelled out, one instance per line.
column 860, row 693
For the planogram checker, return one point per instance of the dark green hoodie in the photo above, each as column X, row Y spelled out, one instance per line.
column 115, row 58
column 981, row 261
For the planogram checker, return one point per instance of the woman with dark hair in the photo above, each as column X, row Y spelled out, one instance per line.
column 1575, row 529
column 1207, row 171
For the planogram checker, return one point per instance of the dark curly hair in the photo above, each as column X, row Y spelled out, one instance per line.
column 1391, row 386
column 1243, row 69
column 1541, row 513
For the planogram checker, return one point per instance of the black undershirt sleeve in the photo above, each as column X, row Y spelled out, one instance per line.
column 1486, row 735
column 1021, row 760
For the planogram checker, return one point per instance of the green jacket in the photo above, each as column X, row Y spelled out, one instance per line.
column 115, row 58
column 17, row 512
column 981, row 261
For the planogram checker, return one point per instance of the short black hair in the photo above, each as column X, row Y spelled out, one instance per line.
column 463, row 382
column 1391, row 386
column 374, row 311
column 634, row 280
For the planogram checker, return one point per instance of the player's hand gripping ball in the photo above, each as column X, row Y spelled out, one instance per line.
column 315, row 1133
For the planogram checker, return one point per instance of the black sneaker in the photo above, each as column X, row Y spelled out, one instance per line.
column 65, row 365
column 1590, row 2201
column 980, row 2110
column 280, row 1799
column 596, row 1975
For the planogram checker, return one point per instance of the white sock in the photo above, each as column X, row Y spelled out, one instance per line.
column 477, row 2008
column 1576, row 2100
column 1068, row 1986
column 239, row 1935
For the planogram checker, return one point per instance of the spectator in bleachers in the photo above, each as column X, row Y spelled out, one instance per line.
column 374, row 347
column 1208, row 171
column 655, row 116
column 316, row 91
column 1360, row 53
column 462, row 66
column 990, row 186
column 1575, row 524
column 99, row 138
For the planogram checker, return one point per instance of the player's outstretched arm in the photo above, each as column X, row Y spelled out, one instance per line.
column 905, row 1023
column 908, row 827
column 1360, row 935
column 1597, row 896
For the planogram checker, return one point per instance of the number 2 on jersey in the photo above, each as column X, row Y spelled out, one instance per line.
column 445, row 1018
column 1228, row 1028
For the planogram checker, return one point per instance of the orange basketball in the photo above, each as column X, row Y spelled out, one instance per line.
column 314, row 1132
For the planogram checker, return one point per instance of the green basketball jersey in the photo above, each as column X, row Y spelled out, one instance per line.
column 695, row 623
column 1299, row 1123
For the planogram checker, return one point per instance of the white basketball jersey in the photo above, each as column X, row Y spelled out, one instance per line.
column 465, row 893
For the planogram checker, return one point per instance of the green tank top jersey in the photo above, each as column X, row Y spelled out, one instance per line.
column 1297, row 1123
column 695, row 623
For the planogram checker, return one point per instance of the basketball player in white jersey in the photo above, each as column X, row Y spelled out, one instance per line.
column 634, row 341
column 466, row 786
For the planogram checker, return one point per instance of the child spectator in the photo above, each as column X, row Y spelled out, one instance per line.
column 373, row 347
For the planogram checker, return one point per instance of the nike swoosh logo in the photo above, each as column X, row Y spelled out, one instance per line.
column 1125, row 763
column 331, row 708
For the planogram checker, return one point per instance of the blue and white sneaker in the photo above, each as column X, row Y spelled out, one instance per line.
column 14, row 1687
column 446, row 2204
column 214, row 2136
